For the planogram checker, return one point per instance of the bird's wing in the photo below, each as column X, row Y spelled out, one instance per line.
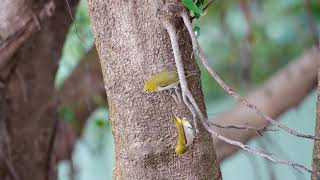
column 167, row 77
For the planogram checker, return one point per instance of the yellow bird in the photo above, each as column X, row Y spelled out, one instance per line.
column 185, row 135
column 164, row 80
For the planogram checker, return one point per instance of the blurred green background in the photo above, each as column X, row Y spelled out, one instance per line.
column 279, row 33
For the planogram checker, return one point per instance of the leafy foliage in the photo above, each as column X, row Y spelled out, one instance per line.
column 194, row 6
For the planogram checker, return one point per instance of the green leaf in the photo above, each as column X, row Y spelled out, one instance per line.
column 192, row 6
column 200, row 5
column 200, row 1
column 101, row 122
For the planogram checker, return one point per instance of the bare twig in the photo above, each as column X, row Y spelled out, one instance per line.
column 229, row 90
column 244, row 127
column 208, row 5
column 204, row 9
column 193, row 106
column 285, row 90
column 258, row 152
column 182, row 78
column 75, row 24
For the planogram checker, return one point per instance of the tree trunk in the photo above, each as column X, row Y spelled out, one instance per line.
column 316, row 149
column 84, row 89
column 83, row 92
column 28, row 98
column 132, row 46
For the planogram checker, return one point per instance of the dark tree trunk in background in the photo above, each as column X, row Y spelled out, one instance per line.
column 132, row 46
column 28, row 109
column 316, row 149
column 83, row 92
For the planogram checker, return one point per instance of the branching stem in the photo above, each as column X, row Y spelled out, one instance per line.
column 181, row 74
column 244, row 127
column 194, row 108
column 229, row 90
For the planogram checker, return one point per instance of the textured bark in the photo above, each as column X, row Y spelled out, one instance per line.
column 132, row 45
column 30, row 102
column 316, row 149
column 283, row 91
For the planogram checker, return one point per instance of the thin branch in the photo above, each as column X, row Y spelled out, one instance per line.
column 229, row 90
column 258, row 152
column 285, row 90
column 194, row 108
column 186, row 94
column 208, row 5
column 181, row 74
column 204, row 9
column 244, row 127
column 75, row 24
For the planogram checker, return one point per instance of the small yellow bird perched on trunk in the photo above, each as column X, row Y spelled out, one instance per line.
column 185, row 135
column 164, row 80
